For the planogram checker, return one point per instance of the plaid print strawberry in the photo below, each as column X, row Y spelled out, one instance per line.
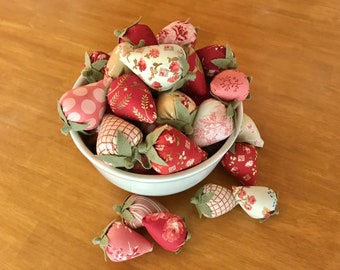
column 121, row 243
column 213, row 200
column 130, row 98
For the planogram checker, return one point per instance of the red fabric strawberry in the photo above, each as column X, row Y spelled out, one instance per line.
column 167, row 229
column 136, row 34
column 95, row 64
column 213, row 200
column 178, row 32
column 130, row 98
column 215, row 58
column 82, row 108
column 136, row 207
column 242, row 163
column 169, row 150
column 120, row 243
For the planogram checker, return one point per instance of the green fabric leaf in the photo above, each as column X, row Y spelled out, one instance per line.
column 206, row 197
column 123, row 145
column 99, row 64
column 153, row 156
column 152, row 137
column 127, row 215
column 229, row 62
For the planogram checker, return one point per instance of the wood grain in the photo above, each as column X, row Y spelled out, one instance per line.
column 53, row 202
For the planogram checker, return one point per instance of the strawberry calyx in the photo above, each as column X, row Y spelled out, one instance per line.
column 123, row 210
column 228, row 62
column 121, row 35
column 92, row 71
column 103, row 240
column 201, row 201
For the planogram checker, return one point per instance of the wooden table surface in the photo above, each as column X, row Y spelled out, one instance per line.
column 53, row 202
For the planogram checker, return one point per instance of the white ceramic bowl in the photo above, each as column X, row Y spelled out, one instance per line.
column 157, row 185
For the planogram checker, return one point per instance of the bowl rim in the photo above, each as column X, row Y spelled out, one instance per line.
column 143, row 178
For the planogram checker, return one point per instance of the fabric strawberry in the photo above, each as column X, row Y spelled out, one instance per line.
column 136, row 34
column 161, row 67
column 114, row 67
column 95, row 66
column 169, row 150
column 212, row 123
column 257, row 201
column 82, row 108
column 130, row 98
column 213, row 200
column 176, row 109
column 135, row 207
column 215, row 58
column 121, row 243
column 242, row 163
column 167, row 229
column 178, row 32
column 230, row 84
column 249, row 132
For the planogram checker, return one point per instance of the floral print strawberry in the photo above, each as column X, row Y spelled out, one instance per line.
column 241, row 162
column 178, row 32
column 167, row 229
column 249, row 132
column 82, row 108
column 136, row 207
column 169, row 150
column 215, row 58
column 213, row 200
column 161, row 67
column 130, row 98
column 212, row 123
column 230, row 84
column 121, row 243
column 257, row 201
column 95, row 64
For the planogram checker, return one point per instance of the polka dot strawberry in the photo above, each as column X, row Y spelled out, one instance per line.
column 82, row 108
column 167, row 229
column 130, row 98
column 136, row 207
column 257, row 201
column 213, row 200
column 241, row 162
column 249, row 132
column 121, row 243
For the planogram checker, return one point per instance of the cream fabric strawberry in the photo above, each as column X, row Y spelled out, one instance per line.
column 178, row 32
column 176, row 109
column 167, row 229
column 82, row 108
column 169, row 150
column 241, row 162
column 257, row 201
column 130, row 98
column 161, row 67
column 212, row 123
column 213, row 200
column 249, row 132
column 230, row 84
column 114, row 67
column 136, row 207
column 121, row 243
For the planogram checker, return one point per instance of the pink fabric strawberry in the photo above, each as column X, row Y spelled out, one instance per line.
column 137, row 34
column 130, row 98
column 161, row 67
column 82, row 108
column 249, row 132
column 167, row 229
column 95, row 64
column 230, row 85
column 213, row 200
column 242, row 163
column 215, row 58
column 114, row 67
column 257, row 201
column 178, row 32
column 212, row 123
column 136, row 207
column 121, row 243
column 169, row 150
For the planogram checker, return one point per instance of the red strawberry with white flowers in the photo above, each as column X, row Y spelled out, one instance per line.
column 137, row 34
column 121, row 243
column 136, row 207
column 82, row 108
column 95, row 64
column 178, row 32
column 215, row 58
column 213, row 200
column 169, row 150
column 242, row 163
column 167, row 229
column 130, row 98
